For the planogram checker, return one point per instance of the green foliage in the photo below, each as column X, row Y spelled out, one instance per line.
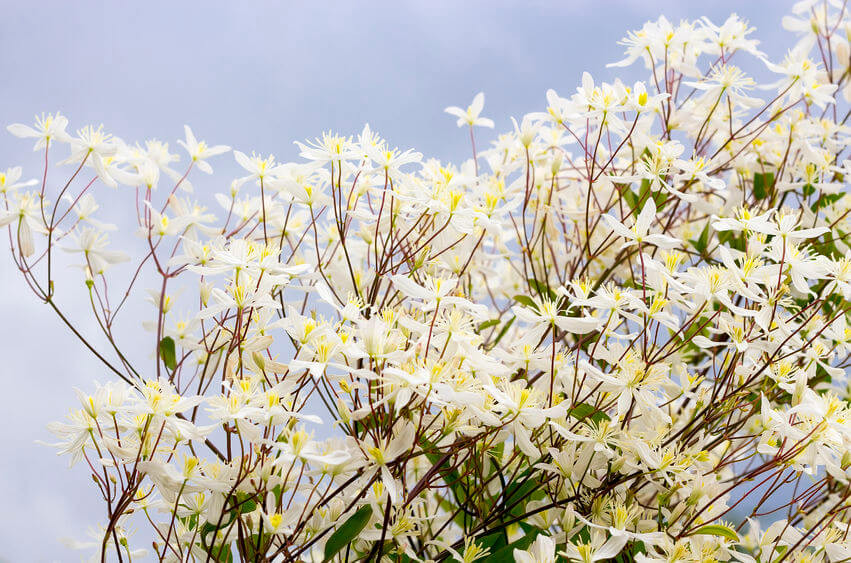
column 167, row 353
column 347, row 531
column 762, row 183
column 718, row 530
column 584, row 410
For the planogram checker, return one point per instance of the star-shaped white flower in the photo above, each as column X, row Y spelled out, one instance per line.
column 470, row 116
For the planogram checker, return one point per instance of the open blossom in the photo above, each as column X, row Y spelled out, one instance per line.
column 93, row 243
column 390, row 160
column 639, row 233
column 744, row 220
column 200, row 151
column 597, row 549
column 434, row 291
column 547, row 313
column 729, row 81
column 257, row 166
column 47, row 127
column 329, row 148
column 382, row 454
column 470, row 116
column 23, row 212
column 243, row 294
column 542, row 551
column 9, row 180
column 619, row 332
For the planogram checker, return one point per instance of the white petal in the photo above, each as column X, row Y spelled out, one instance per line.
column 645, row 218
column 21, row 130
column 478, row 104
column 578, row 325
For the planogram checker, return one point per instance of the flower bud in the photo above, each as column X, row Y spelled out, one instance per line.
column 205, row 288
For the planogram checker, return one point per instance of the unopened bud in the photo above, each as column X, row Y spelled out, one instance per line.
column 259, row 360
column 343, row 411
column 555, row 164
column 205, row 289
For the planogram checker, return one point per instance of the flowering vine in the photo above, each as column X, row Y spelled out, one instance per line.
column 619, row 331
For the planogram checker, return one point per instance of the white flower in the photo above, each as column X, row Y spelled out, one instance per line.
column 199, row 151
column 92, row 243
column 470, row 116
column 596, row 549
column 383, row 454
column 9, row 180
column 48, row 127
column 640, row 233
column 543, row 550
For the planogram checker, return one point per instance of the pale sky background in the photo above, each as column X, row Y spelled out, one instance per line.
column 257, row 76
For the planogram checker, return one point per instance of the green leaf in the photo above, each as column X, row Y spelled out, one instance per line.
column 637, row 202
column 732, row 239
column 702, row 241
column 247, row 506
column 506, row 554
column 487, row 324
column 542, row 289
column 502, row 331
column 762, row 184
column 208, row 529
column 826, row 200
column 628, row 554
column 347, row 531
column 630, row 197
column 278, row 491
column 167, row 353
column 526, row 301
column 828, row 247
column 520, row 489
column 584, row 410
column 718, row 530
column 492, row 541
column 660, row 197
column 518, row 493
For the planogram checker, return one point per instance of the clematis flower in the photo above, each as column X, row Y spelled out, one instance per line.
column 470, row 116
column 48, row 127
column 640, row 233
column 200, row 151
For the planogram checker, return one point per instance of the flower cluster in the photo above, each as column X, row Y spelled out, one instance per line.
column 620, row 330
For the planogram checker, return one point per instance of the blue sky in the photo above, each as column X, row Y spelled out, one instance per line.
column 257, row 76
